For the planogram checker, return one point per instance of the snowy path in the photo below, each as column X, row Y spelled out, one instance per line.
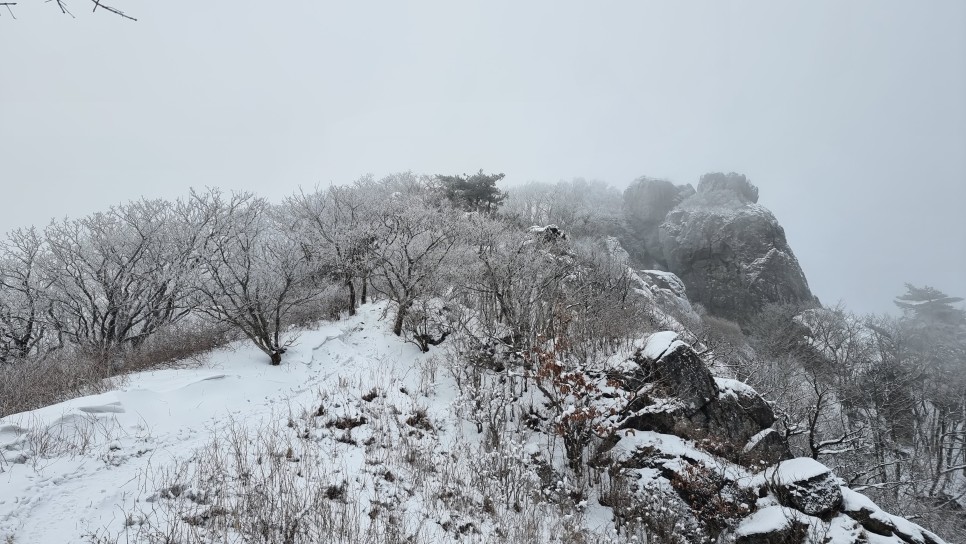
column 122, row 436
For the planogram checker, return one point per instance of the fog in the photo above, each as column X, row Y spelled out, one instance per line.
column 851, row 118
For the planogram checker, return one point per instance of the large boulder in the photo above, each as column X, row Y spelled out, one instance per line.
column 738, row 413
column 673, row 367
column 767, row 447
column 676, row 394
column 805, row 485
column 875, row 520
column 730, row 251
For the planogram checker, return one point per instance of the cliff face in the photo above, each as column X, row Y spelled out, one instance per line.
column 730, row 251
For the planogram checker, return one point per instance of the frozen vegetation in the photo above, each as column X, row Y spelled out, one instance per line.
column 428, row 359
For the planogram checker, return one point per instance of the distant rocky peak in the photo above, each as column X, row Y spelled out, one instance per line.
column 733, row 182
column 730, row 251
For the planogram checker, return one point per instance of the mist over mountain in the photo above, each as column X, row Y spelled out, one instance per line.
column 427, row 272
column 430, row 358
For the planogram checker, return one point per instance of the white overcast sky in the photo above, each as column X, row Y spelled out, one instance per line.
column 849, row 116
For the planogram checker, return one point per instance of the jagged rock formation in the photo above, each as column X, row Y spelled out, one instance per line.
column 646, row 203
column 676, row 394
column 685, row 448
column 730, row 251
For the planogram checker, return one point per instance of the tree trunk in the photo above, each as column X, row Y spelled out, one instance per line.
column 400, row 317
column 276, row 358
column 574, row 449
column 352, row 296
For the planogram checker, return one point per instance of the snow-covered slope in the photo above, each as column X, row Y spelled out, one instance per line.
column 365, row 437
column 360, row 437
column 81, row 466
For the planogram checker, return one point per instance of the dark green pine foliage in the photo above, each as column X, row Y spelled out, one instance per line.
column 473, row 193
column 930, row 305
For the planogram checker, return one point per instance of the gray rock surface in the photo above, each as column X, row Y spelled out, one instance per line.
column 766, row 447
column 731, row 252
column 646, row 203
column 736, row 183
column 680, row 373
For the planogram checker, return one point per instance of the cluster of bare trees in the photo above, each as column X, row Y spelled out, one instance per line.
column 581, row 207
column 882, row 399
column 104, row 284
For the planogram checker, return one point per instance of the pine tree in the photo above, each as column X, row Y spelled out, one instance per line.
column 475, row 193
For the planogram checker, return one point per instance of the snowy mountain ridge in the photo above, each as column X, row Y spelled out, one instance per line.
column 370, row 439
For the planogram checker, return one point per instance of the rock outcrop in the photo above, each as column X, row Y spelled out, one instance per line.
column 676, row 394
column 805, row 485
column 731, row 252
column 646, row 203
column 704, row 449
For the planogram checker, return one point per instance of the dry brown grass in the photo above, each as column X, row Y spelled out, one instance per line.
column 32, row 384
column 70, row 373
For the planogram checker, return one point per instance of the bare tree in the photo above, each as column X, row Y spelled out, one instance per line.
column 416, row 235
column 62, row 5
column 117, row 277
column 24, row 304
column 254, row 271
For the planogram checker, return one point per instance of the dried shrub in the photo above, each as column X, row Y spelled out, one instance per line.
column 715, row 500
column 28, row 385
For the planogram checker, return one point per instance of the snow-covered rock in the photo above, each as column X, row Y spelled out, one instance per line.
column 772, row 525
column 806, row 485
column 677, row 394
column 875, row 520
column 674, row 368
column 766, row 447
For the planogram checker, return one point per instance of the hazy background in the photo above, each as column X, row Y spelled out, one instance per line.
column 850, row 117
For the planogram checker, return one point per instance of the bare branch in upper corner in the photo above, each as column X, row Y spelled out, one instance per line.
column 62, row 5
column 98, row 4
column 63, row 8
column 10, row 9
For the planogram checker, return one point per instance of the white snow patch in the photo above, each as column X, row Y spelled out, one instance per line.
column 659, row 343
column 795, row 470
column 768, row 520
column 734, row 388
column 853, row 501
column 754, row 440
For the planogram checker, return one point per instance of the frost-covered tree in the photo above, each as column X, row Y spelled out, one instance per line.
column 579, row 206
column 933, row 337
column 935, row 332
column 24, row 302
column 254, row 271
column 339, row 229
column 415, row 238
column 114, row 278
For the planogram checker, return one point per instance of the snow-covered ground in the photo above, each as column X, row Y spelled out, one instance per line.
column 356, row 437
column 363, row 423
column 81, row 466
